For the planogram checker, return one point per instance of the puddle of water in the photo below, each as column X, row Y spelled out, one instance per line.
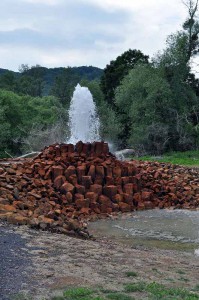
column 165, row 229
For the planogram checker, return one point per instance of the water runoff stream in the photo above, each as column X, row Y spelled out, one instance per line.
column 163, row 229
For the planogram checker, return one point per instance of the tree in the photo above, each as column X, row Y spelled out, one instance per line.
column 22, row 116
column 31, row 80
column 10, row 116
column 181, row 47
column 175, row 65
column 191, row 27
column 144, row 100
column 8, row 81
column 117, row 69
column 64, row 86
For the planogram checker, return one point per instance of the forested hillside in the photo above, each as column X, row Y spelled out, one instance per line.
column 47, row 76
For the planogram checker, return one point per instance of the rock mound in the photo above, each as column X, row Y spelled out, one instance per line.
column 66, row 184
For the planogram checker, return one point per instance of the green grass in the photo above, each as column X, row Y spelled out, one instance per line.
column 196, row 288
column 131, row 291
column 142, row 290
column 119, row 296
column 131, row 274
column 78, row 293
column 187, row 158
column 180, row 272
column 183, row 279
column 158, row 291
column 135, row 287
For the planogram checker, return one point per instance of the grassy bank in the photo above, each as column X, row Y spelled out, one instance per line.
column 187, row 158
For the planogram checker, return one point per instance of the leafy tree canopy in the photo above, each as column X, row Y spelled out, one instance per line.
column 117, row 69
column 19, row 114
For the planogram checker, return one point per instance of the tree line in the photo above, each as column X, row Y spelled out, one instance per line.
column 156, row 101
column 150, row 104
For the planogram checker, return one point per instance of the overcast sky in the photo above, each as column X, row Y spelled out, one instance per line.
column 55, row 33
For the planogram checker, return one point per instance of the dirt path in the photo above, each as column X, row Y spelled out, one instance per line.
column 52, row 262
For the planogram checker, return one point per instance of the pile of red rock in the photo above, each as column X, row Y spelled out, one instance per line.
column 67, row 184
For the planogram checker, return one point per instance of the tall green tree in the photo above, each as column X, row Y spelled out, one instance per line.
column 20, row 116
column 117, row 69
column 8, row 81
column 31, row 80
column 144, row 100
column 191, row 28
column 10, row 116
column 175, row 64
column 158, row 104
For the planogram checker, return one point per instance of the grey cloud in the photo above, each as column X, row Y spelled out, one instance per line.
column 31, row 38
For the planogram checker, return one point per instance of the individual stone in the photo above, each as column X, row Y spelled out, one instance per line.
column 96, row 188
column 100, row 171
column 95, row 207
column 148, row 205
column 7, row 208
column 124, row 207
column 67, row 187
column 78, row 196
column 86, row 181
column 128, row 188
column 69, row 172
column 147, row 196
column 128, row 198
column 105, row 201
column 110, row 191
column 117, row 172
column 17, row 219
column 80, row 189
column 109, row 180
column 81, row 171
column 58, row 182
column 91, row 172
column 80, row 203
column 118, row 198
column 57, row 171
column 93, row 197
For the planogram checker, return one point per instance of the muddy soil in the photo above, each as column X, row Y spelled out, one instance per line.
column 54, row 262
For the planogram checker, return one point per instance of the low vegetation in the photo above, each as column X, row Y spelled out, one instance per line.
column 137, row 290
column 131, row 274
column 130, row 288
column 187, row 158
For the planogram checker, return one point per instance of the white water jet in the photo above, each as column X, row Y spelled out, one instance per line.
column 83, row 120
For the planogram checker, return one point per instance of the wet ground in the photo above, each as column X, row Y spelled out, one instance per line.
column 38, row 264
column 163, row 229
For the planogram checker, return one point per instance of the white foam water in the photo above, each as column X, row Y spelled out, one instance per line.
column 84, row 122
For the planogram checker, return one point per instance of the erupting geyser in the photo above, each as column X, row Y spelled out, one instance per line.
column 83, row 120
